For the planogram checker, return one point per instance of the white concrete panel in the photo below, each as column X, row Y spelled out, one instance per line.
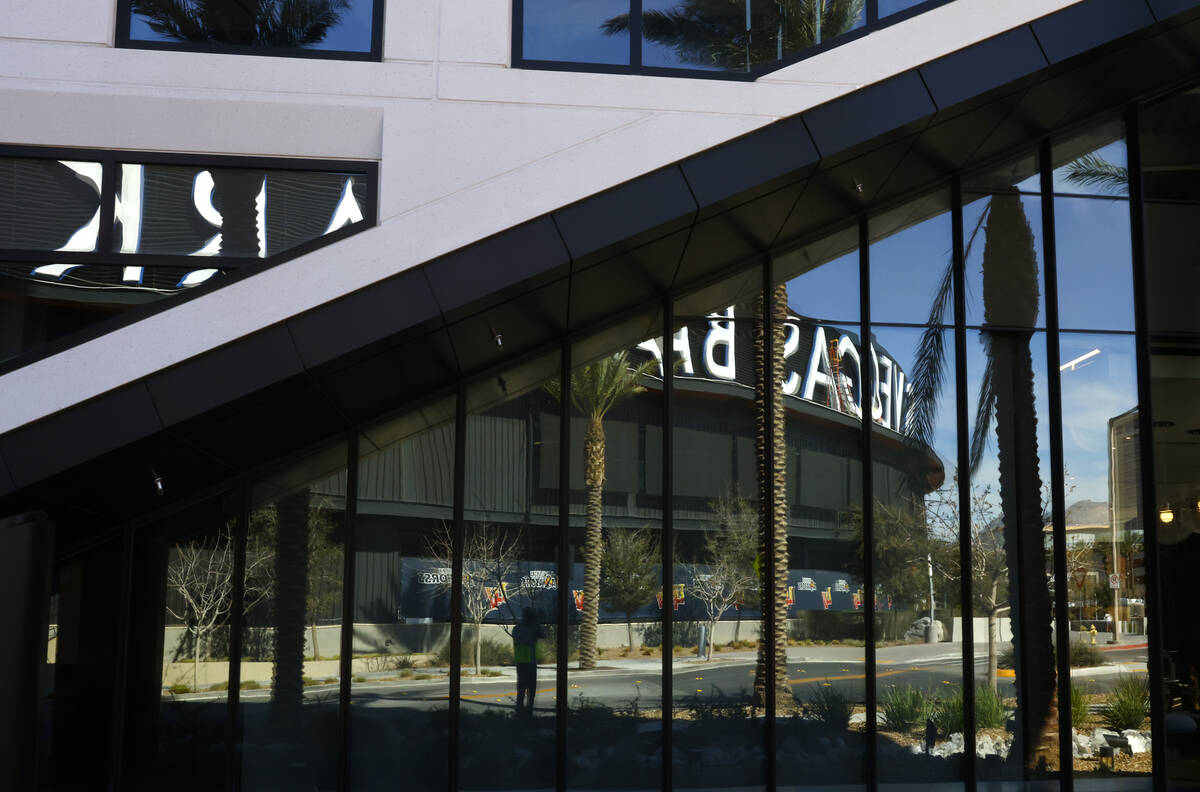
column 475, row 143
column 476, row 31
column 83, row 21
column 410, row 30
column 207, row 125
column 923, row 38
column 150, row 71
column 521, row 86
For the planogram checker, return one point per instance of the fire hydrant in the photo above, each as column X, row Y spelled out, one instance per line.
column 1092, row 630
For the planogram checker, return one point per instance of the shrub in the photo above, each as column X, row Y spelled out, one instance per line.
column 989, row 711
column 830, row 706
column 358, row 678
column 180, row 688
column 1085, row 655
column 404, row 661
column 1127, row 705
column 904, row 706
column 219, row 686
column 1005, row 658
column 249, row 684
column 1079, row 706
column 330, row 680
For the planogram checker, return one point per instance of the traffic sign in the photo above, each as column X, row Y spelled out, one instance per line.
column 1114, row 581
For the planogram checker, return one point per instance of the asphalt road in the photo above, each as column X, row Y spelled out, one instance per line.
column 725, row 679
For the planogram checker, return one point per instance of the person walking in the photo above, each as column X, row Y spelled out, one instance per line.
column 525, row 636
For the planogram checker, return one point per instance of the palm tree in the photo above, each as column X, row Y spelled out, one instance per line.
column 595, row 388
column 1006, row 401
column 733, row 35
column 773, row 534
column 267, row 23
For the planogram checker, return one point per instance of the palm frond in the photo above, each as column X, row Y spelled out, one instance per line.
column 984, row 409
column 1092, row 170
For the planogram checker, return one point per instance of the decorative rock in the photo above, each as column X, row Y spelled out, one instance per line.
column 1139, row 742
column 916, row 632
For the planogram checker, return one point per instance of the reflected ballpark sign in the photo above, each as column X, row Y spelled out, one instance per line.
column 823, row 364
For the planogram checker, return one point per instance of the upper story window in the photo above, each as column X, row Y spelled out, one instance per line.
column 347, row 29
column 87, row 235
column 712, row 38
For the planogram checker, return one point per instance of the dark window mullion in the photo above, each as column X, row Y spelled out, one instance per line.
column 345, row 661
column 562, row 598
column 868, row 511
column 108, row 198
column 1058, row 495
column 967, row 600
column 668, row 544
column 1147, row 502
column 233, row 764
column 456, row 576
column 635, row 33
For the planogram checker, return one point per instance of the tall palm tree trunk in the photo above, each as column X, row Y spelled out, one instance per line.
column 291, row 604
column 593, row 546
column 1020, row 498
column 773, row 540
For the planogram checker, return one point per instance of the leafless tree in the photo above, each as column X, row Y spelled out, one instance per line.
column 727, row 574
column 491, row 563
column 200, row 571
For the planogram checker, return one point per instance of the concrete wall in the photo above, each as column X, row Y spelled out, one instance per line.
column 458, row 134
column 979, row 627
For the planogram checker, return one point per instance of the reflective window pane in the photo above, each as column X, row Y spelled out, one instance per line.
column 1021, row 174
column 1010, row 505
column 187, row 569
column 820, row 595
column 889, row 7
column 401, row 660
column 580, row 31
column 1002, row 253
column 912, row 260
column 49, row 204
column 1105, row 553
column 616, row 497
column 1095, row 269
column 1175, row 389
column 335, row 25
column 510, row 580
column 1169, row 151
column 695, row 34
column 1092, row 163
column 823, row 279
column 245, row 212
column 291, row 640
column 716, row 597
column 916, row 559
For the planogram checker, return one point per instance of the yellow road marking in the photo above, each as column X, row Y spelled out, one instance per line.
column 503, row 695
column 853, row 676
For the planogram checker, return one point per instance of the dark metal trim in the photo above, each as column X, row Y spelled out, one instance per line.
column 456, row 577
column 1058, row 507
column 868, row 510
column 966, row 593
column 1147, row 505
column 375, row 53
column 635, row 34
column 233, row 753
column 562, row 599
column 668, row 543
column 346, row 659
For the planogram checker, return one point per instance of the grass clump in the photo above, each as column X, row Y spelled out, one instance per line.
column 1079, row 706
column 180, row 688
column 250, row 684
column 358, row 678
column 830, row 706
column 1085, row 655
column 1127, row 705
column 989, row 711
column 904, row 706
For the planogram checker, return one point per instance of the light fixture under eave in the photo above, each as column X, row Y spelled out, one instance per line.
column 1166, row 516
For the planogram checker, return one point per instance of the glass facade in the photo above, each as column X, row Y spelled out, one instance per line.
column 693, row 37
column 86, row 240
column 328, row 28
column 909, row 503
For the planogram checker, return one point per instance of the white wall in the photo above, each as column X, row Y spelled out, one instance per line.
column 458, row 134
